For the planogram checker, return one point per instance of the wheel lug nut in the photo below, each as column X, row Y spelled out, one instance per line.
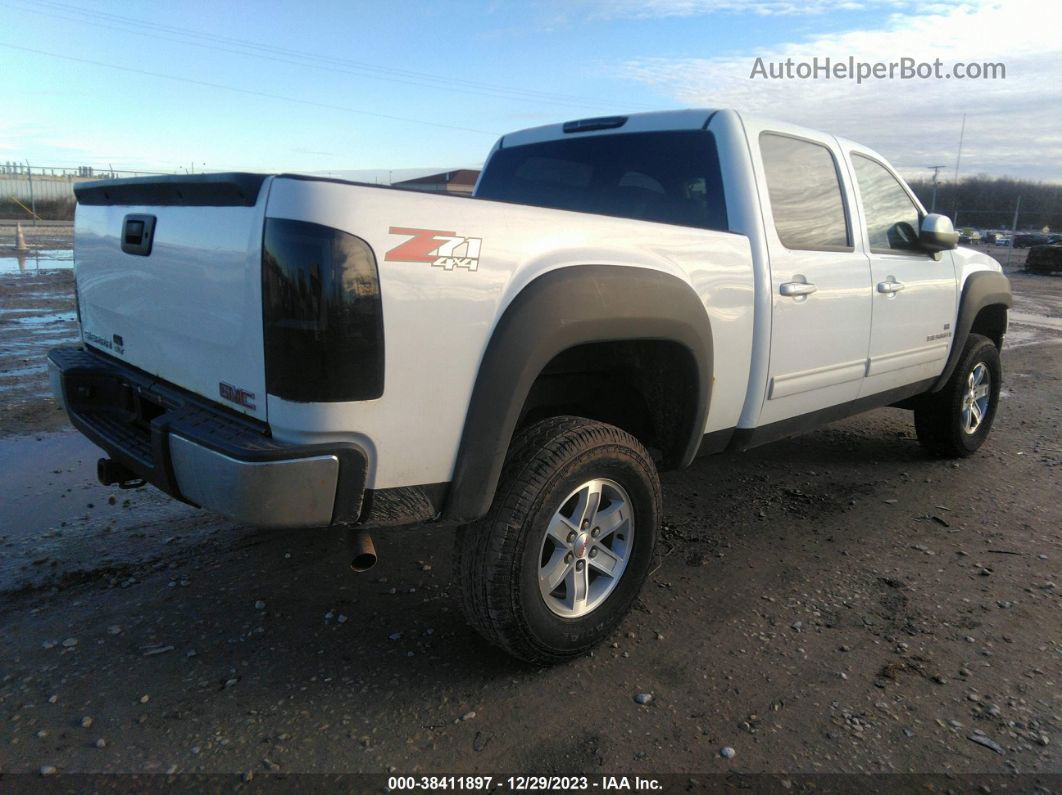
column 568, row 558
column 595, row 532
column 593, row 552
column 579, row 566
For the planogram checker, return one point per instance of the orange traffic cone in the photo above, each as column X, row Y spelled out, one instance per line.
column 20, row 239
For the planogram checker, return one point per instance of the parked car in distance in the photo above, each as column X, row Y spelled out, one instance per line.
column 1027, row 240
column 620, row 295
column 1044, row 259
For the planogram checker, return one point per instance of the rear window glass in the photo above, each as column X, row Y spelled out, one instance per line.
column 669, row 177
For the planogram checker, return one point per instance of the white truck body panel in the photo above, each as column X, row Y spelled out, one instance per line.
column 818, row 343
column 968, row 262
column 910, row 337
column 437, row 322
column 191, row 312
column 743, row 201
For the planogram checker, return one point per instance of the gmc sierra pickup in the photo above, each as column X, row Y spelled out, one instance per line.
column 619, row 296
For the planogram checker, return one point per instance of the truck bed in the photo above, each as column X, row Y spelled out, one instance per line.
column 190, row 312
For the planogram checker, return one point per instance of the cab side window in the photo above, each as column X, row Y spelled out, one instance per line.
column 892, row 218
column 805, row 192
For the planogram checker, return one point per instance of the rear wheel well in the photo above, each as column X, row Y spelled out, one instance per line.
column 646, row 387
column 991, row 322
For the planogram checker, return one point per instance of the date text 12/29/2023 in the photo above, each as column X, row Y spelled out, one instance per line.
column 522, row 783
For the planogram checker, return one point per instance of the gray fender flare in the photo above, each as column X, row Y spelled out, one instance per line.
column 983, row 288
column 557, row 311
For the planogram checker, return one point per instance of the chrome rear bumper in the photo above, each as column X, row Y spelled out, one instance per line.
column 202, row 453
column 299, row 492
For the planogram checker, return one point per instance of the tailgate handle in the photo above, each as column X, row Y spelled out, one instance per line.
column 138, row 231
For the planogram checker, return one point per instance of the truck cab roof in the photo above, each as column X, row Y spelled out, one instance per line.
column 692, row 119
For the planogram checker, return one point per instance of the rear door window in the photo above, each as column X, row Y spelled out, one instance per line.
column 805, row 191
column 669, row 177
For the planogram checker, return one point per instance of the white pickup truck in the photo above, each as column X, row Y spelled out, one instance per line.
column 619, row 296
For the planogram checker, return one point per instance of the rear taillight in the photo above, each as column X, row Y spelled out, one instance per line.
column 323, row 320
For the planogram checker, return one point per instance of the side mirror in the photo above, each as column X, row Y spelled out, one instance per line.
column 937, row 234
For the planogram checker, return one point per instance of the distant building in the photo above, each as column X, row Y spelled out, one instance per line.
column 460, row 181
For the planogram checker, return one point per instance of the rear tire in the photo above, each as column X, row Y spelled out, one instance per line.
column 954, row 422
column 534, row 577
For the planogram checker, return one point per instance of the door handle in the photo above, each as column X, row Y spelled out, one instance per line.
column 890, row 286
column 796, row 289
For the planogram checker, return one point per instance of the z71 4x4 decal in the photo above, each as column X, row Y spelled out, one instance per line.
column 438, row 249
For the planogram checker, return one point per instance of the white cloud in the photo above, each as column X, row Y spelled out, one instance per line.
column 1012, row 125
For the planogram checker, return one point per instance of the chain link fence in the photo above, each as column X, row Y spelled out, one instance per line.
column 29, row 193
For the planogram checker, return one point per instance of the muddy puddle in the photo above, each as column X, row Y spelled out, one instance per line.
column 36, row 314
column 36, row 260
column 39, row 474
column 56, row 520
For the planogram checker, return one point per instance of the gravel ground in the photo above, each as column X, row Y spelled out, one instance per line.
column 833, row 603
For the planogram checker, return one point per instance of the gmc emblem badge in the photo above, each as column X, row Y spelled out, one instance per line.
column 241, row 397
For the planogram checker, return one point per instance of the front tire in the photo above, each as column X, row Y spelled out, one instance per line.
column 558, row 561
column 954, row 422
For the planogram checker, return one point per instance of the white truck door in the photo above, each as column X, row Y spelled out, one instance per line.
column 914, row 294
column 821, row 289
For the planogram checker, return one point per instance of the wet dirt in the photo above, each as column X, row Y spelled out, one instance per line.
column 36, row 314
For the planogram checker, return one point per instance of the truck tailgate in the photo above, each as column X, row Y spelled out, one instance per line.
column 181, row 301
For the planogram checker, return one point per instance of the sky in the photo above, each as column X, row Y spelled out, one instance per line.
column 340, row 87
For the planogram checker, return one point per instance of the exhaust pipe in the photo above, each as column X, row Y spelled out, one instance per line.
column 362, row 551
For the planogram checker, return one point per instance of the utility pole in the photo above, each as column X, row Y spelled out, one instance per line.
column 33, row 201
column 1013, row 229
column 936, row 174
column 958, row 157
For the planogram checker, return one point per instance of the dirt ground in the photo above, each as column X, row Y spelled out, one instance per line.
column 36, row 314
column 836, row 603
